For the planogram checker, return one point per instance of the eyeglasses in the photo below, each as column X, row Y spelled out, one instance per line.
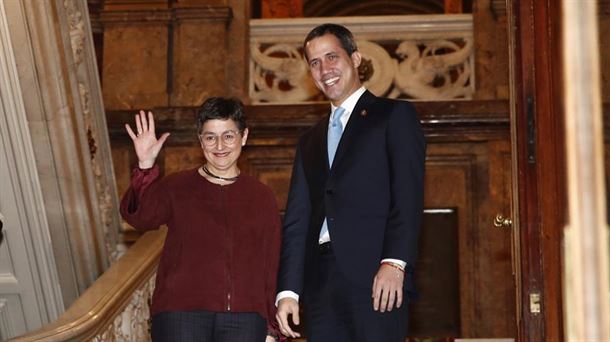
column 227, row 137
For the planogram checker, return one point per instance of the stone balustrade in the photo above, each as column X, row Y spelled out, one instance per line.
column 116, row 306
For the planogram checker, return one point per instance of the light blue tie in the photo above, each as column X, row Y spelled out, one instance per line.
column 334, row 135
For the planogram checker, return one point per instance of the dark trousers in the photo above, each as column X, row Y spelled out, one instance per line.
column 337, row 311
column 207, row 326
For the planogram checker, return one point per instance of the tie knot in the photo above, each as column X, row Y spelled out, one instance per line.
column 337, row 115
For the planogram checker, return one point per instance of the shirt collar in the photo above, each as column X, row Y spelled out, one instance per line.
column 350, row 102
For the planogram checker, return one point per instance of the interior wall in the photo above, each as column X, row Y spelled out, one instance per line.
column 468, row 167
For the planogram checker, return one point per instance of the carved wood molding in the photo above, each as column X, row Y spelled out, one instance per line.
column 221, row 13
column 281, row 125
column 139, row 16
column 108, row 18
column 322, row 8
column 464, row 187
column 408, row 57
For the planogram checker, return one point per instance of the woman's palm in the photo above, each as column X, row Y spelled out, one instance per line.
column 145, row 142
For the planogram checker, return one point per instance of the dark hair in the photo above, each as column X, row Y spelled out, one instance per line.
column 346, row 38
column 221, row 108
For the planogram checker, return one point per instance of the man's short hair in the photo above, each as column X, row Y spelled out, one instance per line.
column 345, row 36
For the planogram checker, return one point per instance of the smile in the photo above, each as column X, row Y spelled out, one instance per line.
column 331, row 81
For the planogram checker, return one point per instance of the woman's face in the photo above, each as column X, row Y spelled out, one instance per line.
column 221, row 142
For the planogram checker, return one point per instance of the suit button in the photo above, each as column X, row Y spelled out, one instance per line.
column 332, row 218
column 330, row 191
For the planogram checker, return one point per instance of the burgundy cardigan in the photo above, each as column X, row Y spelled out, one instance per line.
column 222, row 248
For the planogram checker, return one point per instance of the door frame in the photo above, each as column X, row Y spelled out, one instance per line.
column 539, row 172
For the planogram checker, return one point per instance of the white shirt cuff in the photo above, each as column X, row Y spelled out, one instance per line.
column 398, row 262
column 286, row 294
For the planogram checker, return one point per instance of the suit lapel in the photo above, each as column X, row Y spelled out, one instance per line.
column 316, row 153
column 323, row 136
column 354, row 125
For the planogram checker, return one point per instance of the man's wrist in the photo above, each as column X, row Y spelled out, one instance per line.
column 286, row 294
column 393, row 265
column 397, row 262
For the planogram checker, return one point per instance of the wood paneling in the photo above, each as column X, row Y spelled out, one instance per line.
column 467, row 169
column 436, row 311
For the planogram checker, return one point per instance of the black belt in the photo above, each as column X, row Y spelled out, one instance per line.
column 325, row 248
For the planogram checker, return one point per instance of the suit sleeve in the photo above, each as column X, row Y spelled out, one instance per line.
column 272, row 255
column 407, row 153
column 296, row 225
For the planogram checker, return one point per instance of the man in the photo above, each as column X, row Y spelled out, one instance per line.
column 353, row 213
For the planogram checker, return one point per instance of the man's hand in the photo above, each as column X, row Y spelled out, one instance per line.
column 286, row 307
column 387, row 288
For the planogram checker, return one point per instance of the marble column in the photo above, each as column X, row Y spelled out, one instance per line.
column 57, row 77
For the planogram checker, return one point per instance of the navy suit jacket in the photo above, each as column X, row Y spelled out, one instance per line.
column 372, row 195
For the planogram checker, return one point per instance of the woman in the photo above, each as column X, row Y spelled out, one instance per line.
column 217, row 274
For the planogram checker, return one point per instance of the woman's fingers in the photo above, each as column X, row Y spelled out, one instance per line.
column 138, row 124
column 151, row 122
column 144, row 121
column 132, row 135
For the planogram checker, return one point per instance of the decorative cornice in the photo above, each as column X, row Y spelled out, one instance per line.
column 367, row 28
column 131, row 17
column 282, row 125
column 208, row 13
column 221, row 13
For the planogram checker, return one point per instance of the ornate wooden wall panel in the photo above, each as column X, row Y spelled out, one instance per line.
column 467, row 169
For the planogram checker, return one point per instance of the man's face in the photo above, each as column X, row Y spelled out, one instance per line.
column 334, row 72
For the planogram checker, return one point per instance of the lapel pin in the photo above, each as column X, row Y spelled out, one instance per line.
column 364, row 112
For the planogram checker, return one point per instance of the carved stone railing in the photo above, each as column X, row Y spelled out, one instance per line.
column 116, row 306
column 422, row 57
